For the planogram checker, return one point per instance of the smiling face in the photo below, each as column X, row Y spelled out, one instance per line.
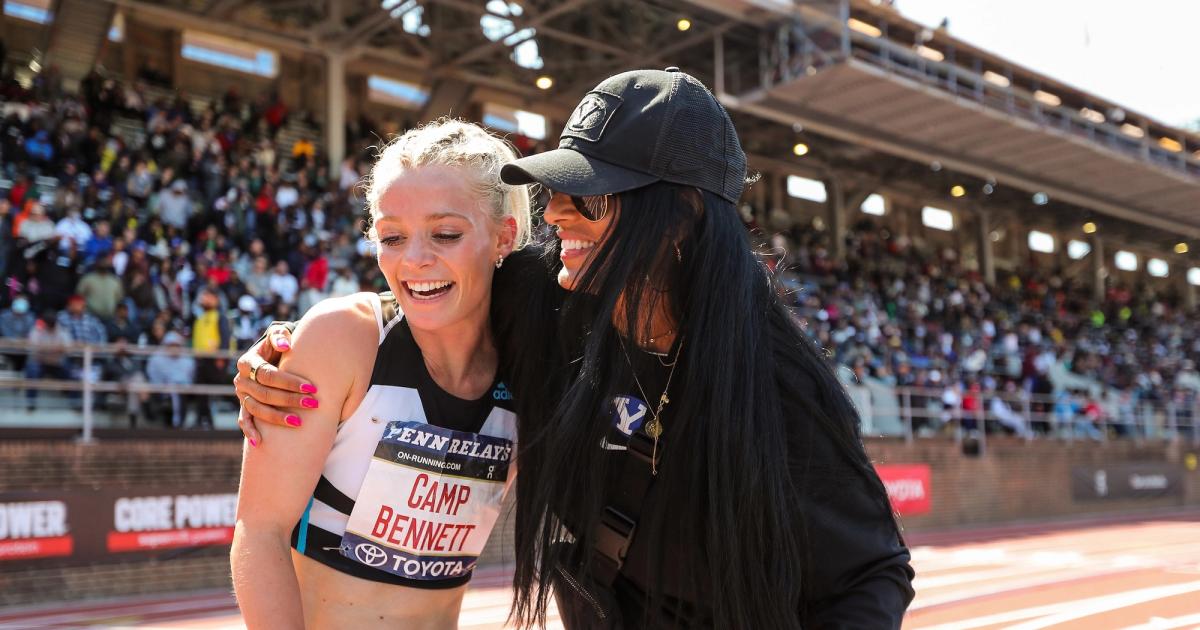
column 580, row 237
column 438, row 245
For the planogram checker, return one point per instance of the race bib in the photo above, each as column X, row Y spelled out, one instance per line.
column 428, row 502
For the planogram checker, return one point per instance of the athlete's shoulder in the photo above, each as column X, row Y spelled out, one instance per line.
column 342, row 321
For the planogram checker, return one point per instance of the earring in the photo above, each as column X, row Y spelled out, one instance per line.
column 500, row 262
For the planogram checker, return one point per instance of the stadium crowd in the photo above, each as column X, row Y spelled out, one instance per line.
column 196, row 229
column 902, row 312
column 200, row 227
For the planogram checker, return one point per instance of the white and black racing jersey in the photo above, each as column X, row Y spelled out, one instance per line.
column 413, row 484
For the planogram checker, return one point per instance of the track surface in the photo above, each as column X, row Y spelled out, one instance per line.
column 1086, row 575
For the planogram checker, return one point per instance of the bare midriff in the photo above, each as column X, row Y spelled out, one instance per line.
column 333, row 599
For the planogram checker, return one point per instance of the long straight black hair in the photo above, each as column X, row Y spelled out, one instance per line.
column 728, row 484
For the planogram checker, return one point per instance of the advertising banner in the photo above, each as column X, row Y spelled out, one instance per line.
column 1149, row 480
column 110, row 524
column 907, row 487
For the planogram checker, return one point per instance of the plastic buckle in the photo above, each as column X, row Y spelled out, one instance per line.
column 614, row 535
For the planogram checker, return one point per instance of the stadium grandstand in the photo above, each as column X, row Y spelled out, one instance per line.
column 997, row 261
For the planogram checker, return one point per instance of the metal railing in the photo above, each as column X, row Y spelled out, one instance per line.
column 923, row 412
column 908, row 412
column 83, row 370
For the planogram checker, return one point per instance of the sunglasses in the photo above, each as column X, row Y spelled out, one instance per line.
column 590, row 207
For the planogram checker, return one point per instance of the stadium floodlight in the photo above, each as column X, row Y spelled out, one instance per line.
column 1170, row 144
column 1041, row 242
column 995, row 78
column 1181, row 248
column 1193, row 276
column 800, row 149
column 1126, row 261
column 874, row 204
column 1047, row 98
column 1092, row 115
column 864, row 28
column 930, row 53
column 1089, row 228
column 1078, row 249
column 544, row 82
column 683, row 24
column 1158, row 267
column 957, row 191
column 937, row 218
column 805, row 188
column 1133, row 131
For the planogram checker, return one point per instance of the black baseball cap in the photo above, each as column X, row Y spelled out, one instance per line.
column 637, row 128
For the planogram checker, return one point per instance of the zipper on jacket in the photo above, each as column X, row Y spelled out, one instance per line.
column 582, row 591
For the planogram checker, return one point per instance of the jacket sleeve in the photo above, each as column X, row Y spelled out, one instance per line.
column 857, row 572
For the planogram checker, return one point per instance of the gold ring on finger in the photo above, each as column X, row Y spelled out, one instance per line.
column 254, row 372
column 244, row 399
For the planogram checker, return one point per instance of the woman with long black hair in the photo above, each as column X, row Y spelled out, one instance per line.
column 688, row 458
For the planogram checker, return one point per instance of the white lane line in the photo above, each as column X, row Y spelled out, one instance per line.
column 1096, row 605
column 92, row 617
column 1053, row 611
column 1159, row 623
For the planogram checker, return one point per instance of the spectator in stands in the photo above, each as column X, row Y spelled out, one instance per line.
column 303, row 152
column 245, row 322
column 1000, row 409
column 122, row 326
column 287, row 195
column 211, row 332
column 37, row 227
column 282, row 284
column 99, row 243
column 141, row 183
column 174, row 206
column 72, row 230
column 124, row 369
column 80, row 325
column 172, row 366
column 101, row 289
column 7, row 236
column 1090, row 420
column 276, row 114
column 16, row 323
column 344, row 283
column 47, row 355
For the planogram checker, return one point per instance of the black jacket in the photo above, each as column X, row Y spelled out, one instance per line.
column 856, row 569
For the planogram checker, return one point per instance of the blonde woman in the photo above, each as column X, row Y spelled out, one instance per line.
column 375, row 514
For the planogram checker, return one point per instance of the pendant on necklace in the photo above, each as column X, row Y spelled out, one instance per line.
column 654, row 428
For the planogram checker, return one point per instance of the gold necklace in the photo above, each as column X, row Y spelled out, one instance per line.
column 654, row 428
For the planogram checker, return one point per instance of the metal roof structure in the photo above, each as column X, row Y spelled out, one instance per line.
column 883, row 92
column 866, row 75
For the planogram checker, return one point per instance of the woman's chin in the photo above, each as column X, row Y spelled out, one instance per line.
column 566, row 279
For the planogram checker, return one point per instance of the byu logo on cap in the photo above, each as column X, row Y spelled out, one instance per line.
column 588, row 114
column 588, row 120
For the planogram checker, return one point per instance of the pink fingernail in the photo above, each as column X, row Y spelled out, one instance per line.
column 308, row 388
column 293, row 420
column 253, row 442
column 310, row 403
column 283, row 345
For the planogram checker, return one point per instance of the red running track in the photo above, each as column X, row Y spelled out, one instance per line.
column 1120, row 574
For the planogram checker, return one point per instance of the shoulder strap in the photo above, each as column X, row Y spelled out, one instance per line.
column 389, row 313
column 618, row 522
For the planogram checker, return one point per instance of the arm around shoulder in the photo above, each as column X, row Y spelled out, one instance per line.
column 278, row 477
